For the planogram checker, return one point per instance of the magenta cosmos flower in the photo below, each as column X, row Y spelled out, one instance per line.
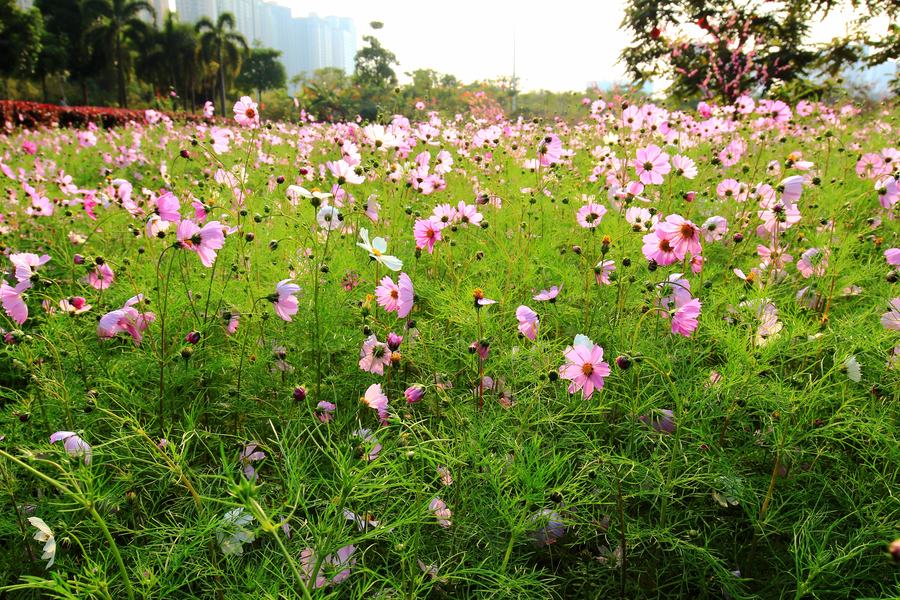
column 205, row 241
column 585, row 367
column 284, row 300
column 589, row 215
column 550, row 150
column 73, row 444
column 652, row 164
column 528, row 322
column 246, row 112
column 426, row 232
column 396, row 297
column 126, row 320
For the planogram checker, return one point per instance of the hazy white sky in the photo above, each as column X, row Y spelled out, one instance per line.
column 560, row 45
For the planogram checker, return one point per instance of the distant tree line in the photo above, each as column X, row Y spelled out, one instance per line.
column 102, row 45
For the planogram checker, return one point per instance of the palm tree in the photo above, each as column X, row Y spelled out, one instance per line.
column 119, row 21
column 169, row 58
column 221, row 43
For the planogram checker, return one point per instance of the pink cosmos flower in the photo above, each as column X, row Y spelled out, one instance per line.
column 394, row 297
column 73, row 444
column 589, row 215
column 468, row 214
column 658, row 248
column 374, row 356
column 25, row 264
column 892, row 255
column 682, row 234
column 12, row 301
column 205, row 241
column 426, row 232
column 684, row 166
column 547, row 295
column 602, row 271
column 208, row 109
column 325, row 411
column 528, row 322
column 791, row 188
column 585, row 367
column 651, row 165
column 684, row 319
column 376, row 399
column 344, row 172
column 167, row 207
column 891, row 319
column 550, row 150
column 284, row 300
column 246, row 112
column 812, row 262
column 714, row 228
column 126, row 320
column 101, row 277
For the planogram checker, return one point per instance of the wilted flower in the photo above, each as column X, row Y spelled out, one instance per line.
column 249, row 455
column 233, row 533
column 440, row 510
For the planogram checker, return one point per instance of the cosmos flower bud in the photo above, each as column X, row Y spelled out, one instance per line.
column 185, row 154
column 623, row 362
column 78, row 259
column 193, row 337
column 394, row 341
column 414, row 393
column 299, row 393
column 280, row 179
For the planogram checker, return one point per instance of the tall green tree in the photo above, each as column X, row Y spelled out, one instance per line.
column 70, row 23
column 262, row 71
column 374, row 65
column 118, row 24
column 221, row 43
column 169, row 59
column 722, row 48
column 21, row 35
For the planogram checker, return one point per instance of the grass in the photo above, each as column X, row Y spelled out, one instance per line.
column 778, row 481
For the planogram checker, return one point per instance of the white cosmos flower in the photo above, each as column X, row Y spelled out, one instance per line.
column 377, row 248
column 329, row 217
column 44, row 534
column 295, row 192
column 853, row 369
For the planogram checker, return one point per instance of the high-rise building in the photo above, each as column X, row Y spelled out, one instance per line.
column 191, row 11
column 306, row 44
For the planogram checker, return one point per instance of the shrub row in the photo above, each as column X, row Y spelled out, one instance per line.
column 15, row 113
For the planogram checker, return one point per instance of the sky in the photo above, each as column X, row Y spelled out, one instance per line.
column 560, row 45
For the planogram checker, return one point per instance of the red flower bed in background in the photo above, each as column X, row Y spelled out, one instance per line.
column 14, row 113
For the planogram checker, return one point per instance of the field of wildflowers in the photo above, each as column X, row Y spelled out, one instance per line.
column 650, row 354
